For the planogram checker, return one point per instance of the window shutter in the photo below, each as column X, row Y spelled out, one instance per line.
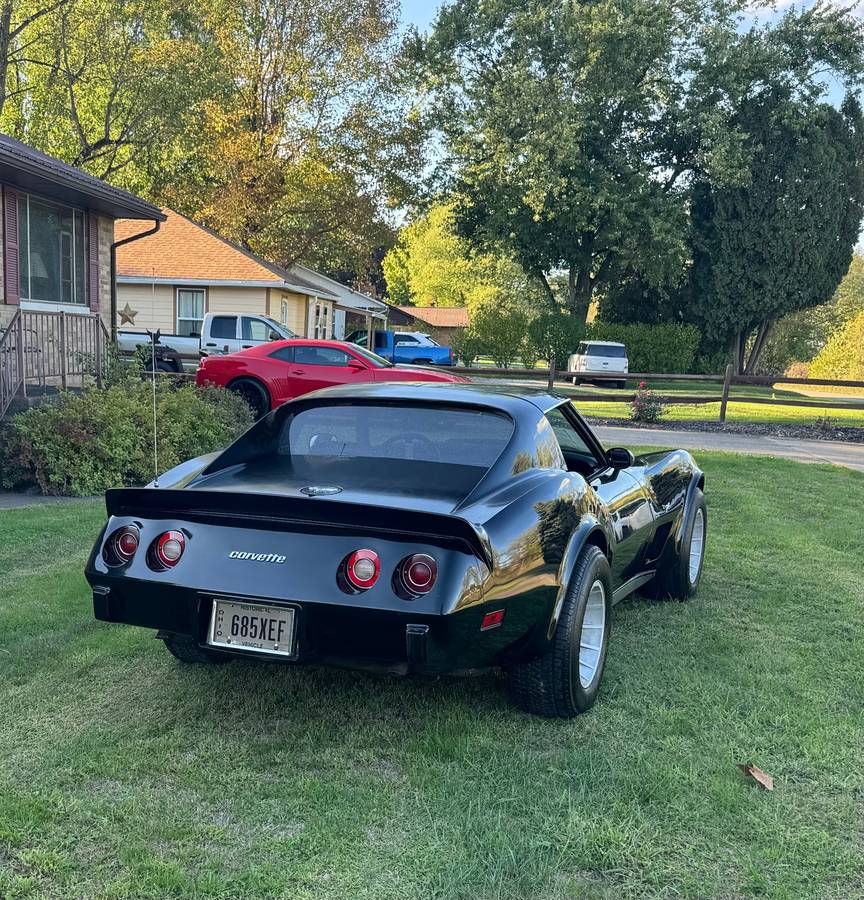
column 11, row 260
column 93, row 261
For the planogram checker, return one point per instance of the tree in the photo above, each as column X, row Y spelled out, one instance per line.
column 573, row 130
column 431, row 265
column 783, row 241
column 843, row 356
column 17, row 21
column 280, row 125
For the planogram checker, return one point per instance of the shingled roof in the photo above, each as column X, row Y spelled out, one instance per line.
column 30, row 170
column 438, row 316
column 183, row 250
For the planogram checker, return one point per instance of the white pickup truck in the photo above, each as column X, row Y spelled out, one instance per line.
column 220, row 333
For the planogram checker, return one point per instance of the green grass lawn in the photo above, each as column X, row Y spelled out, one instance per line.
column 126, row 774
column 736, row 412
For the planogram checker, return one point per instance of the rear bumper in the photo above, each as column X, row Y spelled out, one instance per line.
column 355, row 637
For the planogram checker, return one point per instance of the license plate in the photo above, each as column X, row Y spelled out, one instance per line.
column 252, row 626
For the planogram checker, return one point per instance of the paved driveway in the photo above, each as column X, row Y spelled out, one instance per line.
column 835, row 452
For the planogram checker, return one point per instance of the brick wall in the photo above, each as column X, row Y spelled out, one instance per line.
column 106, row 239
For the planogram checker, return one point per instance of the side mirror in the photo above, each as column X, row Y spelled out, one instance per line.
column 355, row 365
column 273, row 336
column 620, row 458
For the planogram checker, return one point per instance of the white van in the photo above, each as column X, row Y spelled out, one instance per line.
column 600, row 361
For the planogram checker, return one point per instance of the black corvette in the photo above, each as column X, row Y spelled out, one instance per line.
column 411, row 527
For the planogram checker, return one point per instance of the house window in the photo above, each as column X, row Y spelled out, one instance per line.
column 284, row 317
column 190, row 311
column 52, row 250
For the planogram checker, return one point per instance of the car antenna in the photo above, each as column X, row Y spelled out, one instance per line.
column 154, row 339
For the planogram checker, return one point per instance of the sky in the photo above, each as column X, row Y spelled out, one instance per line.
column 419, row 12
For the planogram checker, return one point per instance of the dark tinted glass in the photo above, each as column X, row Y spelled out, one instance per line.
column 607, row 351
column 310, row 355
column 223, row 327
column 285, row 354
column 450, row 436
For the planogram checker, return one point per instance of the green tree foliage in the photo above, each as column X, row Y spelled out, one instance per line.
column 574, row 130
column 431, row 265
column 280, row 125
column 499, row 333
column 843, row 356
column 783, row 241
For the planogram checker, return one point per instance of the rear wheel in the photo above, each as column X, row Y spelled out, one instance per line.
column 188, row 651
column 680, row 578
column 254, row 393
column 565, row 680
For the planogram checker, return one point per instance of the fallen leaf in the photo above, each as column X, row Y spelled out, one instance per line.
column 757, row 775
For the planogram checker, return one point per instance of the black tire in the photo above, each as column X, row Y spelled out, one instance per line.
column 550, row 685
column 674, row 580
column 188, row 651
column 577, row 381
column 254, row 393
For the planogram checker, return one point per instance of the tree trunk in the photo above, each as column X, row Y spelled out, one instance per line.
column 580, row 287
column 758, row 347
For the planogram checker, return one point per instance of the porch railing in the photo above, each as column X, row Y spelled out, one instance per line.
column 42, row 352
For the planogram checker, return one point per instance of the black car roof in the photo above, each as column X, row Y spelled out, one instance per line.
column 509, row 398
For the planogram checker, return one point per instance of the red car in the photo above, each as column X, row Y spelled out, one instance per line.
column 272, row 373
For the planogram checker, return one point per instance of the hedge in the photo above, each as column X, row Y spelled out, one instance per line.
column 652, row 348
column 82, row 444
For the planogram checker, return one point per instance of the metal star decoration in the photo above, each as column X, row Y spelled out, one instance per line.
column 127, row 314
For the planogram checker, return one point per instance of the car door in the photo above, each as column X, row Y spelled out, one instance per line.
column 280, row 379
column 624, row 499
column 222, row 336
column 404, row 347
column 254, row 331
column 318, row 366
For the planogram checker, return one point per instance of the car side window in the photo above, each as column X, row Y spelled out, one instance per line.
column 580, row 457
column 283, row 354
column 255, row 329
column 306, row 355
column 406, row 339
column 223, row 327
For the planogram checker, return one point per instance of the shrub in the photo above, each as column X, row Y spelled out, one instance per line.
column 500, row 332
column 669, row 347
column 843, row 356
column 554, row 336
column 646, row 406
column 85, row 443
column 466, row 346
column 528, row 353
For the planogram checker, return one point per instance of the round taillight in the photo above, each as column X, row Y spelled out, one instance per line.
column 169, row 548
column 362, row 569
column 418, row 573
column 122, row 545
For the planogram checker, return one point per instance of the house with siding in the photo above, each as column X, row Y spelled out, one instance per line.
column 171, row 279
column 58, row 247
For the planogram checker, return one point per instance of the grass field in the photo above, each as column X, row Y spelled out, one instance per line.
column 125, row 774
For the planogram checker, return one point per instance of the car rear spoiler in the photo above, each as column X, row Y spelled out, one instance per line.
column 268, row 509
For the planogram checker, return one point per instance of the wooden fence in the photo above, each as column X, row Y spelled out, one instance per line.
column 727, row 382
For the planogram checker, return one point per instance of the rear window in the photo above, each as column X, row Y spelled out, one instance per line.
column 396, row 450
column 603, row 350
column 447, row 436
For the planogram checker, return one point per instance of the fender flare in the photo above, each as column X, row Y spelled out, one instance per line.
column 697, row 482
column 589, row 531
column 260, row 382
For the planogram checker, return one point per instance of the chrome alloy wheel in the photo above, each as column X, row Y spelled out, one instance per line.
column 697, row 545
column 593, row 632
